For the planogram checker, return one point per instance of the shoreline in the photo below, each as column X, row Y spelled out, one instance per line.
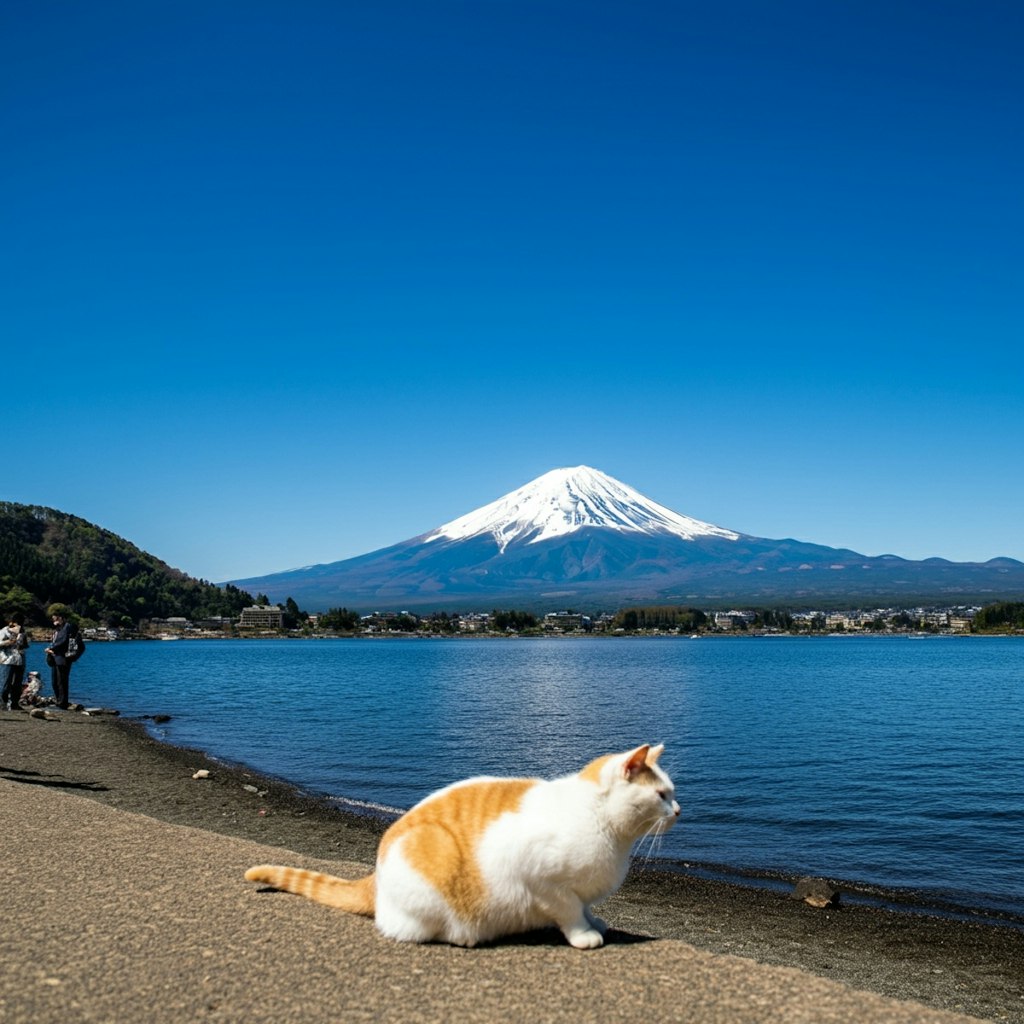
column 948, row 964
column 860, row 894
column 777, row 880
column 41, row 635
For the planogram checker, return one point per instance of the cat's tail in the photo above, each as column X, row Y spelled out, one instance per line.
column 358, row 897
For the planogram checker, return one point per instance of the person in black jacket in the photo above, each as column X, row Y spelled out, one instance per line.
column 57, row 655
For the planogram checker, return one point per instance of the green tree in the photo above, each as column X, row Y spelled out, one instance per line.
column 293, row 615
column 340, row 620
column 773, row 618
column 511, row 620
column 17, row 600
column 403, row 623
column 999, row 617
column 660, row 618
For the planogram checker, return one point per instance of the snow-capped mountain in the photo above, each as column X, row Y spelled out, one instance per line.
column 565, row 501
column 577, row 537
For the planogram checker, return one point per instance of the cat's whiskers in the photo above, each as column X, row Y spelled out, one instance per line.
column 655, row 833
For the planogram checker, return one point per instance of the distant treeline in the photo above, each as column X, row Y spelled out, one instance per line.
column 1000, row 616
column 343, row 620
column 518, row 622
column 660, row 617
column 339, row 620
column 49, row 556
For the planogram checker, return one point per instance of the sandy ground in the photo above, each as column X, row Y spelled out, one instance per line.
column 125, row 901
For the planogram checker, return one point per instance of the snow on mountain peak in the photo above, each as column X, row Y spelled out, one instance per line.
column 566, row 500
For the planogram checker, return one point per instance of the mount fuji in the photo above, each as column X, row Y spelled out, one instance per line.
column 577, row 537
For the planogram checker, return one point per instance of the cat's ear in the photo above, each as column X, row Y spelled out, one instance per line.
column 654, row 754
column 636, row 762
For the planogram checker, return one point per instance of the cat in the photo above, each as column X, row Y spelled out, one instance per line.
column 490, row 857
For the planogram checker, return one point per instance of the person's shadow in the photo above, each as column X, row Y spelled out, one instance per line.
column 29, row 778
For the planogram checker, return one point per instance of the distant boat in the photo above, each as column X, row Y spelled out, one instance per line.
column 168, row 636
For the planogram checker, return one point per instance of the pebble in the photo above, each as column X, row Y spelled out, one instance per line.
column 816, row 892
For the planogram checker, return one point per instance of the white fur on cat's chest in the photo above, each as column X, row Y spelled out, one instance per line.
column 555, row 838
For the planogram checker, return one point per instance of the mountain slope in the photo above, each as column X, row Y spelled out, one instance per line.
column 578, row 537
column 49, row 556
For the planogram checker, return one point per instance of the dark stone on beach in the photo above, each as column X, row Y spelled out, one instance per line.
column 815, row 892
column 158, row 719
column 44, row 713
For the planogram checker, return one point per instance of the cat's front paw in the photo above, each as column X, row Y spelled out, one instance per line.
column 585, row 938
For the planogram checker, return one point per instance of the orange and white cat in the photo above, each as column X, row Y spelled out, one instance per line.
column 490, row 857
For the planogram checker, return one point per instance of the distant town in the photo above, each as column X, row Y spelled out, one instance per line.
column 272, row 620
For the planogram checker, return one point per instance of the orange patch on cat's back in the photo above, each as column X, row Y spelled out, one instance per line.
column 442, row 834
column 592, row 772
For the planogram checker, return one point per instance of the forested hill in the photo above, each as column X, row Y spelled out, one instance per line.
column 48, row 556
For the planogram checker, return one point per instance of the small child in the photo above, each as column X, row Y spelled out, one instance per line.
column 30, row 691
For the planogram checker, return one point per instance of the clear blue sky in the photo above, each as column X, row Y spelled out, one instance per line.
column 286, row 282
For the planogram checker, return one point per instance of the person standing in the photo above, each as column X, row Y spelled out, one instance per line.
column 57, row 654
column 14, row 655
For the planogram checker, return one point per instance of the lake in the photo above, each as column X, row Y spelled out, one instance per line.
column 893, row 762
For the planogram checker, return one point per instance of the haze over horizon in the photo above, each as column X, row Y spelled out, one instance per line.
column 286, row 284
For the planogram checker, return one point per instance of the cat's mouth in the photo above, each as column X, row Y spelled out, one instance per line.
column 664, row 823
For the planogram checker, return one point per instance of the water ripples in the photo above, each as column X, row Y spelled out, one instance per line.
column 868, row 759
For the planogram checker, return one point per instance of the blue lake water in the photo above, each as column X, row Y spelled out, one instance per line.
column 892, row 761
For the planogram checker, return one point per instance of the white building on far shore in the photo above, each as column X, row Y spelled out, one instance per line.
column 262, row 616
